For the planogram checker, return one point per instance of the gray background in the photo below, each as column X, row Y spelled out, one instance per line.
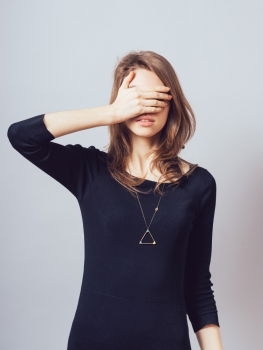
column 59, row 55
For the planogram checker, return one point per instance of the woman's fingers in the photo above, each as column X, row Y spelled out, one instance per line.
column 160, row 92
column 127, row 80
column 155, row 103
column 156, row 95
column 151, row 110
column 161, row 88
column 133, row 101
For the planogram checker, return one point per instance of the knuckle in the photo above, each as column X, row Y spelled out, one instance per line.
column 138, row 109
column 137, row 92
column 138, row 101
column 138, row 96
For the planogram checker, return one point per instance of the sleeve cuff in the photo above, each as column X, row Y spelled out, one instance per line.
column 41, row 133
column 200, row 322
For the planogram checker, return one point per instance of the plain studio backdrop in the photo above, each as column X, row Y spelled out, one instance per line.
column 60, row 55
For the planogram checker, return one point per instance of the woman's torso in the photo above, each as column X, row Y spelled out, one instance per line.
column 132, row 295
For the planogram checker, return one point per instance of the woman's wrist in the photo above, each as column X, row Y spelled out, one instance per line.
column 65, row 122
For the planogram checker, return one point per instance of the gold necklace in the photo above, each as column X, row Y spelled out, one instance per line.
column 147, row 232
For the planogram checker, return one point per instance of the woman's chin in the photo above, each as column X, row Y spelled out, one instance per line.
column 143, row 131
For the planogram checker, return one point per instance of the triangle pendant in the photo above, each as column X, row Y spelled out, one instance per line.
column 148, row 238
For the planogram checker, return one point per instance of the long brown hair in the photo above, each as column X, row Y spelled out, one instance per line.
column 179, row 128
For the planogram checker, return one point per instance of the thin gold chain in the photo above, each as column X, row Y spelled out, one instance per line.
column 155, row 210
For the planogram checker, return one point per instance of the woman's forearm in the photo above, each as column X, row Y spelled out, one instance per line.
column 209, row 338
column 65, row 122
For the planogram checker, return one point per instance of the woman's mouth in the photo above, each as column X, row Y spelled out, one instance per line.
column 144, row 121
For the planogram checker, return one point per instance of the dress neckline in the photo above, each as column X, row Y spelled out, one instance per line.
column 151, row 183
column 148, row 182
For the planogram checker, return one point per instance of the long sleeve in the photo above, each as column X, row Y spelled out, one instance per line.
column 199, row 295
column 73, row 166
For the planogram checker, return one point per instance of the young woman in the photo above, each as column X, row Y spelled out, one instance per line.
column 147, row 213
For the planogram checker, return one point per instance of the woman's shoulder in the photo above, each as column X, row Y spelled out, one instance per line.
column 203, row 175
column 94, row 150
column 95, row 157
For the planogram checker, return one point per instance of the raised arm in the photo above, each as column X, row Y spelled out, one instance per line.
column 71, row 165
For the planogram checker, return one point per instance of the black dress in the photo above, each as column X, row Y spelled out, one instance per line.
column 133, row 296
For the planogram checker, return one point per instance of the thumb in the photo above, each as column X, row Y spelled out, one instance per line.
column 126, row 81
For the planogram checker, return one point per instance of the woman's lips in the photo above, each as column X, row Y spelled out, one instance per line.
column 145, row 122
column 144, row 116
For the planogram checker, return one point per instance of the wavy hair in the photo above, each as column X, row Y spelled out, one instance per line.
column 179, row 128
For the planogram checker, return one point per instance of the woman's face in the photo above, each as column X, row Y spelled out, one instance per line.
column 147, row 79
